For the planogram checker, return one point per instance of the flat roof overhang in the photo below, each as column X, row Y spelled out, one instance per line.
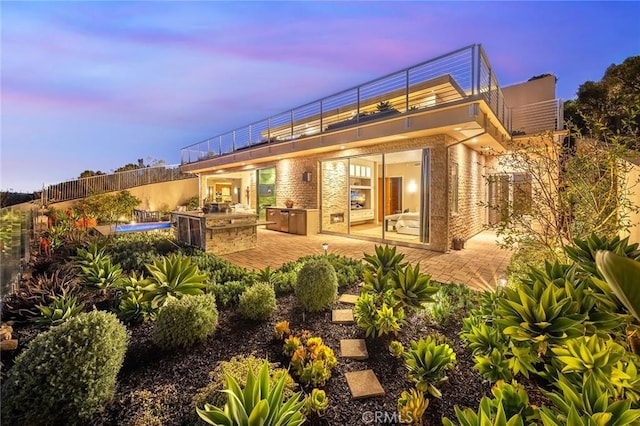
column 470, row 121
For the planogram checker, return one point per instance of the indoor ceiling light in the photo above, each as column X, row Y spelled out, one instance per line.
column 474, row 140
column 457, row 128
column 341, row 146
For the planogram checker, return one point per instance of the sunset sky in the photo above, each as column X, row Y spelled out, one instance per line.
column 95, row 85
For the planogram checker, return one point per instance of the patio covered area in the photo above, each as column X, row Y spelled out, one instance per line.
column 480, row 264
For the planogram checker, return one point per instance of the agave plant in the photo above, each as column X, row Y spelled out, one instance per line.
column 589, row 356
column 490, row 413
column 587, row 404
column 482, row 339
column 584, row 252
column 376, row 282
column 91, row 255
column 427, row 362
column 622, row 275
column 101, row 274
column 62, row 308
column 411, row 407
column 540, row 314
column 493, row 366
column 385, row 258
column 412, row 288
column 173, row 276
column 514, row 399
column 256, row 404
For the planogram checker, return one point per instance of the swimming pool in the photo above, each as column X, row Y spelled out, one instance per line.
column 142, row 227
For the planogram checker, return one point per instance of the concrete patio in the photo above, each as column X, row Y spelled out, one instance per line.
column 480, row 264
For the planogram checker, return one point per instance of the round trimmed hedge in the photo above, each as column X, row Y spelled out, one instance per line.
column 183, row 322
column 316, row 286
column 67, row 373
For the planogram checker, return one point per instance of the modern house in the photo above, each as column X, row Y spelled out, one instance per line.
column 400, row 159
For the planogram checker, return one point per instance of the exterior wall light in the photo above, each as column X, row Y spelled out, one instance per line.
column 306, row 177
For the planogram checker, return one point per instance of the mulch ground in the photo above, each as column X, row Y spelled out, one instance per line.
column 183, row 372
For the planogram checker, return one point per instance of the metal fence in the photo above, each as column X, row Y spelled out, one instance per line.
column 448, row 78
column 84, row 187
column 537, row 117
column 16, row 232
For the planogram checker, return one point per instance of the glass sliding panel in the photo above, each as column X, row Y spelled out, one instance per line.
column 266, row 185
column 363, row 196
column 335, row 195
column 400, row 189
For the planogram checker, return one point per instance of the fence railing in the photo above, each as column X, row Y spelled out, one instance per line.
column 537, row 117
column 84, row 187
column 16, row 232
column 445, row 79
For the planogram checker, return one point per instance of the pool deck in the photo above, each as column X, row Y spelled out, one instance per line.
column 480, row 264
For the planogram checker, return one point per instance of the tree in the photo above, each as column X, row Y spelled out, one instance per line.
column 109, row 208
column 611, row 106
column 575, row 189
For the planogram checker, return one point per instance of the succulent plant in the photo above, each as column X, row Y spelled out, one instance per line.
column 494, row 366
column 412, row 288
column 427, row 362
column 396, row 349
column 490, row 413
column 316, row 402
column 173, row 276
column 411, row 406
column 385, row 258
column 281, row 329
column 256, row 404
column 60, row 310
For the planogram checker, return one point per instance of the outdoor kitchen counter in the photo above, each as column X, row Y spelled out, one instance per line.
column 217, row 233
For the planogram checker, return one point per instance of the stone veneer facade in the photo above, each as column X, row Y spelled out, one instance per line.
column 467, row 222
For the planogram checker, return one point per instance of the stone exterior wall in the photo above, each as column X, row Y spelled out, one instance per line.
column 335, row 176
column 289, row 183
column 471, row 216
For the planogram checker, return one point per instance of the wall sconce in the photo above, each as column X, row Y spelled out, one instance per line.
column 306, row 177
column 325, row 248
column 412, row 187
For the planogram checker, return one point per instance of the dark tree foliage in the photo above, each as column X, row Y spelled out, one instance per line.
column 610, row 106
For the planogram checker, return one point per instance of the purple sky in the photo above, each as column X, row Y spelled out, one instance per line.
column 96, row 85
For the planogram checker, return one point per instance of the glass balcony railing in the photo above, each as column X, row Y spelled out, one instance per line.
column 446, row 79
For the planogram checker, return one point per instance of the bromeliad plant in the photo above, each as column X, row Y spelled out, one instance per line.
column 256, row 404
column 427, row 362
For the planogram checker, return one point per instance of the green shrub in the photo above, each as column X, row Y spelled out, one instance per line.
column 284, row 282
column 258, row 301
column 149, row 407
column 183, row 322
column 66, row 374
column 376, row 316
column 238, row 367
column 228, row 294
column 317, row 286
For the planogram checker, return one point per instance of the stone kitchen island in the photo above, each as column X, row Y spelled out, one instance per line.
column 217, row 233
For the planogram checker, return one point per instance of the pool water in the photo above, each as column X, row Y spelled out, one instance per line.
column 141, row 227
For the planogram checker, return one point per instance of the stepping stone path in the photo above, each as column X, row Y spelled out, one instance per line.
column 342, row 316
column 354, row 349
column 362, row 384
column 348, row 298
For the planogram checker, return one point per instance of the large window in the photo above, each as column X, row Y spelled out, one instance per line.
column 381, row 196
column 266, row 188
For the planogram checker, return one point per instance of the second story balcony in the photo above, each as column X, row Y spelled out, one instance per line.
column 451, row 90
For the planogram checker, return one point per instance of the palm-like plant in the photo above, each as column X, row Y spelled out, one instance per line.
column 255, row 404
column 173, row 276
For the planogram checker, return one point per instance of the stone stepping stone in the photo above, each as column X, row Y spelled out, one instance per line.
column 342, row 316
column 354, row 349
column 363, row 384
column 348, row 298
